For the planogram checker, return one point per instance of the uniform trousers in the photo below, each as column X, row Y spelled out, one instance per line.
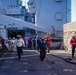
column 19, row 52
column 42, row 53
column 73, row 51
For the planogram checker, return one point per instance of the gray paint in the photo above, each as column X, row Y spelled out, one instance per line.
column 46, row 13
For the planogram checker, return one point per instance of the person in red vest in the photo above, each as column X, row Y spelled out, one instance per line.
column 73, row 44
column 2, row 40
column 48, row 40
column 49, row 43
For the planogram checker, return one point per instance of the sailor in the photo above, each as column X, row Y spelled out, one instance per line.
column 43, row 47
column 20, row 44
column 73, row 45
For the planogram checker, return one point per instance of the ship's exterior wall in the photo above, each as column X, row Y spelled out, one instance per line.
column 51, row 14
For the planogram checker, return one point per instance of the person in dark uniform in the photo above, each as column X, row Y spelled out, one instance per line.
column 38, row 44
column 34, row 42
column 43, row 47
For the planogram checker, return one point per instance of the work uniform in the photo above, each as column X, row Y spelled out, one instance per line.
column 19, row 44
column 43, row 47
column 48, row 44
column 73, row 44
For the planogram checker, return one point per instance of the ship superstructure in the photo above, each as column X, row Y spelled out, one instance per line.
column 14, row 20
column 51, row 14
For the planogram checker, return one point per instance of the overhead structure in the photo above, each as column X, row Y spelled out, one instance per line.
column 10, row 22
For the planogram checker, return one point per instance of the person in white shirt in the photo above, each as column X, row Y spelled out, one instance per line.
column 10, row 43
column 19, row 44
column 14, row 44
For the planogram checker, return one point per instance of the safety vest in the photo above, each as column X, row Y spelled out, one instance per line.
column 73, row 41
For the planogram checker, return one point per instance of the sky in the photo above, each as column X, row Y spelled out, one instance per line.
column 25, row 2
column 73, row 9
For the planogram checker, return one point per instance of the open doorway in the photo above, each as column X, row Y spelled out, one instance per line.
column 14, row 33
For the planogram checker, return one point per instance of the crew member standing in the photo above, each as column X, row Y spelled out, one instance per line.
column 48, row 44
column 2, row 40
column 73, row 44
